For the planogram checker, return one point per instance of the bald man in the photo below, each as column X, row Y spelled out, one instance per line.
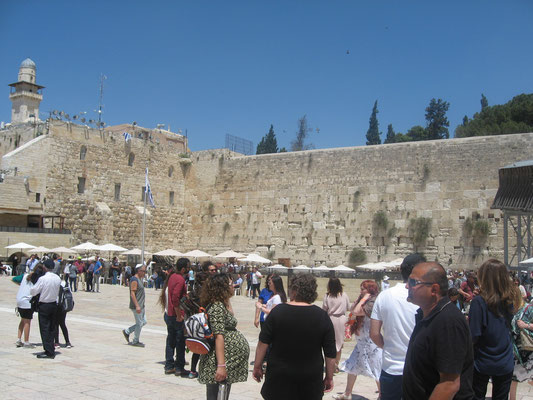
column 439, row 363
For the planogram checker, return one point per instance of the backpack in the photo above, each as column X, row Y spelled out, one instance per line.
column 66, row 300
column 198, row 335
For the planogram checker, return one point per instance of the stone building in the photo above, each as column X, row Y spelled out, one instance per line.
column 316, row 206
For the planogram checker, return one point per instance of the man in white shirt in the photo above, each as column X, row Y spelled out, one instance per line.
column 48, row 288
column 256, row 282
column 396, row 316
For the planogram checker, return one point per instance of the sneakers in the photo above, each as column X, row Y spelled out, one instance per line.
column 57, row 346
column 170, row 371
column 69, row 346
column 136, row 344
column 126, row 335
column 18, row 343
column 193, row 375
column 182, row 373
column 29, row 346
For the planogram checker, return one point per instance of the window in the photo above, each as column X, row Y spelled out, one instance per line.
column 171, row 198
column 131, row 158
column 117, row 191
column 37, row 197
column 83, row 152
column 143, row 193
column 170, row 171
column 81, row 185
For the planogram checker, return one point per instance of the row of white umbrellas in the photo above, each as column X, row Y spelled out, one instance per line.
column 321, row 268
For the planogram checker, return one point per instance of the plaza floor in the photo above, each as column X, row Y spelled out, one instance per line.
column 102, row 366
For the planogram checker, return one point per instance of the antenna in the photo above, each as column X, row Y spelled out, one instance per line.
column 100, row 103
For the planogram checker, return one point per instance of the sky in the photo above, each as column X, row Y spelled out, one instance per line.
column 209, row 68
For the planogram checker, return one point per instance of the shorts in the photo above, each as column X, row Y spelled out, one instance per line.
column 25, row 313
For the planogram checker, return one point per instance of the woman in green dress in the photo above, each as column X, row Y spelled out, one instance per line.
column 228, row 361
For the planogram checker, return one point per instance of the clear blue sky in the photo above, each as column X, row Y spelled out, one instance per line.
column 217, row 67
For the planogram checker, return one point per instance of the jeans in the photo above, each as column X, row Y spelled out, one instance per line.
column 89, row 279
column 115, row 276
column 501, row 385
column 175, row 344
column 140, row 321
column 391, row 386
column 96, row 282
column 73, row 283
column 255, row 289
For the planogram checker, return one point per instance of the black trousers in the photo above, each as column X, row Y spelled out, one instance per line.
column 47, row 313
column 501, row 385
column 60, row 323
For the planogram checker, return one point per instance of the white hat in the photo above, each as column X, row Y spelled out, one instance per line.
column 386, row 278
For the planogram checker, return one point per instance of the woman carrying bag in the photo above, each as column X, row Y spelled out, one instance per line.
column 522, row 331
column 227, row 363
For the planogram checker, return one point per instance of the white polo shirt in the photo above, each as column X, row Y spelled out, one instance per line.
column 398, row 318
column 48, row 287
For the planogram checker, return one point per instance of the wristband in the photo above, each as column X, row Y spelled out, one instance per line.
column 221, row 365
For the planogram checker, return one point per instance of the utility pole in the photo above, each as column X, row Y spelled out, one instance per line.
column 100, row 103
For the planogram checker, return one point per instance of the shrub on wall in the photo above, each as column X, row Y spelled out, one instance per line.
column 420, row 228
column 356, row 257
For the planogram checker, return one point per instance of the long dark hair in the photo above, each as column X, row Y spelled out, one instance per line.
column 216, row 289
column 162, row 297
column 278, row 287
column 497, row 289
column 334, row 287
column 38, row 271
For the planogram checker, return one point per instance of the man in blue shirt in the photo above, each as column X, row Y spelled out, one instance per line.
column 98, row 269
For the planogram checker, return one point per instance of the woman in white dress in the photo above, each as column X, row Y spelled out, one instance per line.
column 366, row 356
column 336, row 303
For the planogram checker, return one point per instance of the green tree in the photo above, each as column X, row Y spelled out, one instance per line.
column 298, row 144
column 515, row 116
column 373, row 133
column 484, row 102
column 391, row 135
column 436, row 121
column 268, row 143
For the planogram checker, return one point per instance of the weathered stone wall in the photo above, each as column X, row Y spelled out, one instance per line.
column 15, row 135
column 316, row 206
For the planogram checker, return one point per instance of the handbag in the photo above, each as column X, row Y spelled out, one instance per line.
column 526, row 341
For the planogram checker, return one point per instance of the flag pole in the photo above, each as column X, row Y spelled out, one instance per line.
column 144, row 215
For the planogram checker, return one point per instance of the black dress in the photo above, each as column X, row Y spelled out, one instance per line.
column 300, row 336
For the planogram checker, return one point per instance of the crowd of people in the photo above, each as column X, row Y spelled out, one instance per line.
column 437, row 334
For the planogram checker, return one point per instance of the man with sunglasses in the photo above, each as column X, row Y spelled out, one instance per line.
column 439, row 363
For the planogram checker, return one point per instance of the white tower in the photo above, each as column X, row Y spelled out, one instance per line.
column 25, row 94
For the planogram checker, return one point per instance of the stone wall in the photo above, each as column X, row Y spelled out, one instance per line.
column 316, row 206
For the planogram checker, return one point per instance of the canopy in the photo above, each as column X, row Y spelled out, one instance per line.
column 169, row 253
column 302, row 267
column 85, row 246
column 278, row 266
column 20, row 245
column 197, row 254
column 321, row 268
column 256, row 258
column 230, row 254
column 343, row 268
column 528, row 261
column 40, row 249
column 61, row 250
column 380, row 266
column 111, row 247
column 135, row 252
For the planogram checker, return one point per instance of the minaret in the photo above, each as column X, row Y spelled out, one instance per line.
column 25, row 94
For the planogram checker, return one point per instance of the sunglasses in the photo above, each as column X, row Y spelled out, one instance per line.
column 414, row 282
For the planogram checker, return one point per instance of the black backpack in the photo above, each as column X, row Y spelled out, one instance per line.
column 66, row 300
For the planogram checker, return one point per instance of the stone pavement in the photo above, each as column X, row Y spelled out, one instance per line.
column 102, row 366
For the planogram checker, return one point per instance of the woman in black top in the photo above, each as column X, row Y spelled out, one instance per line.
column 299, row 333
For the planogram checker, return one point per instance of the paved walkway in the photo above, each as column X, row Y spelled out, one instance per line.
column 102, row 366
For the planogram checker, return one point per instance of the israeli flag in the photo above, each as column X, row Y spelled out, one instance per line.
column 148, row 190
column 127, row 136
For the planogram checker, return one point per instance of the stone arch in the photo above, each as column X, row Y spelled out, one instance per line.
column 83, row 152
column 131, row 159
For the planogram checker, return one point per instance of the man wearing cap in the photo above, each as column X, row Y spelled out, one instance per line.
column 440, row 359
column 392, row 322
column 47, row 287
column 136, row 306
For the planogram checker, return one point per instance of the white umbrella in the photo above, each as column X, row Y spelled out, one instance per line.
column 40, row 249
column 169, row 253
column 321, row 268
column 111, row 247
column 230, row 254
column 302, row 267
column 528, row 261
column 135, row 252
column 255, row 258
column 343, row 268
column 85, row 246
column 197, row 254
column 20, row 245
column 373, row 266
column 278, row 266
column 62, row 250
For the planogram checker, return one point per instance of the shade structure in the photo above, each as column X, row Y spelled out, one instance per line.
column 111, row 247
column 20, row 245
column 197, row 254
column 85, row 246
column 381, row 266
column 528, row 261
column 135, row 252
column 342, row 268
column 230, row 254
column 302, row 267
column 255, row 258
column 278, row 267
column 62, row 250
column 321, row 268
column 169, row 253
column 40, row 249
